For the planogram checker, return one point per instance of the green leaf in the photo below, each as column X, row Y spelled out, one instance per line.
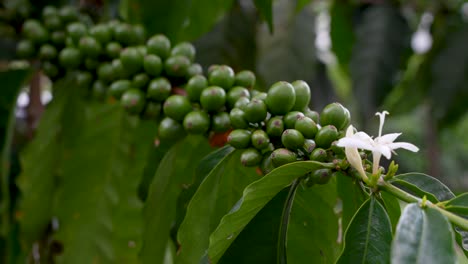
column 423, row 236
column 458, row 204
column 97, row 206
column 179, row 20
column 12, row 81
column 260, row 239
column 313, row 225
column 392, row 206
column 232, row 41
column 217, row 194
column 255, row 197
column 342, row 32
column 175, row 173
column 421, row 184
column 37, row 181
column 382, row 40
column 351, row 195
column 265, row 7
column 368, row 237
column 291, row 45
column 155, row 156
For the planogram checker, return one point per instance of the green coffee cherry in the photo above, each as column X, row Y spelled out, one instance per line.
column 235, row 93
column 281, row 98
column 251, row 157
column 49, row 11
column 336, row 149
column 101, row 32
column 53, row 22
column 239, row 138
column 132, row 60
column 309, row 145
column 222, row 76
column 177, row 66
column 159, row 45
column 118, row 69
column 306, row 126
column 123, row 33
column 260, row 96
column 260, row 139
column 133, row 100
column 195, row 87
column 84, row 79
column 302, row 91
column 275, row 126
column 335, row 114
column 152, row 110
column 245, row 78
column 266, row 165
column 90, row 47
column 282, row 156
column 325, row 136
column 76, row 30
column 194, row 69
column 169, row 129
column 321, row 176
column 221, row 122
column 319, row 154
column 113, row 50
column 105, row 72
column 213, row 98
column 176, row 107
column 255, row 111
column 159, row 89
column 237, row 117
column 139, row 34
column 292, row 139
column 117, row 88
column 314, row 115
column 291, row 118
column 212, row 68
column 152, row 64
column 47, row 52
column 197, row 122
column 140, row 81
column 70, row 58
column 25, row 49
column 241, row 103
column 68, row 13
column 184, row 48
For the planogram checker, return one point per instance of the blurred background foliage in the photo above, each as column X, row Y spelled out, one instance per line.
column 408, row 57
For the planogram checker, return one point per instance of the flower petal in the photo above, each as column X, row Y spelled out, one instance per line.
column 385, row 150
column 354, row 159
column 353, row 142
column 350, row 131
column 388, row 138
column 403, row 145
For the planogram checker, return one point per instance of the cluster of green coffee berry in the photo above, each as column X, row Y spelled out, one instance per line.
column 113, row 59
column 277, row 127
column 152, row 78
column 203, row 103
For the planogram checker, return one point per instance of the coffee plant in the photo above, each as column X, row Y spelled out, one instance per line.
column 143, row 157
